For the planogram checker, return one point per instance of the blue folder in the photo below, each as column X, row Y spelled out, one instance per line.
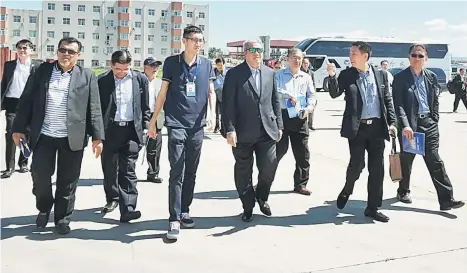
column 294, row 111
column 414, row 146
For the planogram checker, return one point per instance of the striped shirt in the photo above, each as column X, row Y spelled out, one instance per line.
column 56, row 107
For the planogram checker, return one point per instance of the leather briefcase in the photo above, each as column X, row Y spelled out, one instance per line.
column 395, row 170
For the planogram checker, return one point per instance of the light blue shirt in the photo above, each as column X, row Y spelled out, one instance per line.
column 124, row 96
column 220, row 78
column 369, row 92
column 294, row 85
column 421, row 93
column 256, row 72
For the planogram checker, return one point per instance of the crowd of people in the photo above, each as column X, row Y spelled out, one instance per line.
column 54, row 108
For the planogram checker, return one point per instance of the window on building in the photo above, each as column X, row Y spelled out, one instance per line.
column 81, row 35
column 66, row 34
column 96, row 9
column 95, row 23
column 32, row 34
column 3, row 17
column 150, row 50
column 164, row 13
column 50, row 20
column 177, row 38
column 33, row 19
column 150, row 38
column 177, row 26
column 80, row 62
column 66, row 21
column 137, row 24
column 151, row 25
column 201, row 27
column 16, row 33
column 164, row 26
column 137, row 37
column 50, row 6
column 163, row 51
column 177, row 13
column 50, row 34
column 66, row 7
column 110, row 10
column 202, row 15
column 124, row 10
column 95, row 36
column 138, row 11
column 151, row 12
column 95, row 49
column 123, row 23
column 176, row 51
column 16, row 19
column 81, row 22
column 137, row 50
column 110, row 23
column 82, row 8
column 50, row 48
column 137, row 63
column 189, row 14
column 109, row 50
column 164, row 38
column 94, row 63
column 124, row 36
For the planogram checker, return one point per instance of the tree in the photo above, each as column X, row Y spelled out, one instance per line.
column 214, row 52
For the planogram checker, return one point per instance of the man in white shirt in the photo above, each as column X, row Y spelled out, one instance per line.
column 15, row 76
column 154, row 145
column 385, row 67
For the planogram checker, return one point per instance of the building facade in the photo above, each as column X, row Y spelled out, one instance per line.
column 146, row 29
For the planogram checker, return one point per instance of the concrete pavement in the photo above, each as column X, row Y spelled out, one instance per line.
column 305, row 234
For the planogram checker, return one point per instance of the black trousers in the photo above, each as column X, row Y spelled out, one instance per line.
column 370, row 139
column 297, row 132
column 218, row 115
column 184, row 154
column 153, row 154
column 266, row 162
column 433, row 162
column 10, row 147
column 49, row 150
column 458, row 97
column 119, row 157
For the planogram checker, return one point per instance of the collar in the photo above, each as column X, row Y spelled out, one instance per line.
column 59, row 68
column 299, row 72
column 253, row 69
column 415, row 74
column 367, row 72
column 181, row 59
column 129, row 75
column 27, row 63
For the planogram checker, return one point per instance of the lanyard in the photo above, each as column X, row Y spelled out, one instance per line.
column 187, row 73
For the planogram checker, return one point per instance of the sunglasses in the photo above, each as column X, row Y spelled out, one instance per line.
column 22, row 48
column 255, row 49
column 420, row 56
column 67, row 51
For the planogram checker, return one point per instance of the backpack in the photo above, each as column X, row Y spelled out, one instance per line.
column 451, row 87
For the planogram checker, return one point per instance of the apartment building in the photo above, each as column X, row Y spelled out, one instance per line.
column 143, row 27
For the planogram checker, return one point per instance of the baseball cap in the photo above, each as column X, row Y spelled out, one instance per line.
column 152, row 62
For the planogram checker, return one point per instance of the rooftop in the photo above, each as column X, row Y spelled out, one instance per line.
column 274, row 44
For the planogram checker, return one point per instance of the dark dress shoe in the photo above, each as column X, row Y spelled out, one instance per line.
column 264, row 207
column 129, row 216
column 247, row 216
column 342, row 200
column 62, row 228
column 109, row 207
column 23, row 169
column 404, row 197
column 452, row 205
column 7, row 174
column 42, row 219
column 302, row 190
column 154, row 179
column 376, row 215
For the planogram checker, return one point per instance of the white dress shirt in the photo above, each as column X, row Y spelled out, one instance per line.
column 20, row 77
column 124, row 96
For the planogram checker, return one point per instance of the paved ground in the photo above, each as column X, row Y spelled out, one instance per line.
column 305, row 234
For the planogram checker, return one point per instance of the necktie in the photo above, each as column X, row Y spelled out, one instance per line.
column 256, row 75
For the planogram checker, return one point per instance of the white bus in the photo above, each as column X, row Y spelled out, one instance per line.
column 320, row 51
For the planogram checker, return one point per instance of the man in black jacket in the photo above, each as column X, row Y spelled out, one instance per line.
column 60, row 105
column 368, row 119
column 126, row 113
column 252, row 119
column 460, row 84
column 417, row 107
column 15, row 76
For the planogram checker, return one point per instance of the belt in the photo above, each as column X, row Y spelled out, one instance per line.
column 424, row 115
column 368, row 121
column 122, row 123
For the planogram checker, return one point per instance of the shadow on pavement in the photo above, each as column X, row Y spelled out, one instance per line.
column 461, row 121
column 24, row 226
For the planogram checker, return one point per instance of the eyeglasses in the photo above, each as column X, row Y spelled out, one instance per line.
column 420, row 56
column 22, row 48
column 67, row 51
column 196, row 40
column 255, row 49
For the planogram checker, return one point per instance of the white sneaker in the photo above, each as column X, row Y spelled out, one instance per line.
column 174, row 230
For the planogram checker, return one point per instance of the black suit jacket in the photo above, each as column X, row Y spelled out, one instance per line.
column 245, row 108
column 84, row 117
column 347, row 83
column 141, row 110
column 8, row 72
column 405, row 102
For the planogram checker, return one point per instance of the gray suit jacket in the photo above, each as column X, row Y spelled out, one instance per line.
column 245, row 108
column 84, row 116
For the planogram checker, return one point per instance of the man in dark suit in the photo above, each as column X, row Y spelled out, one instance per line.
column 252, row 119
column 15, row 76
column 126, row 113
column 60, row 105
column 460, row 85
column 417, row 107
column 368, row 119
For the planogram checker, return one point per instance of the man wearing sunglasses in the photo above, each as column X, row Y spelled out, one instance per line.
column 60, row 106
column 252, row 119
column 15, row 76
column 368, row 120
column 417, row 107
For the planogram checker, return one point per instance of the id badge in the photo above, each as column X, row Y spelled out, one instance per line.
column 190, row 89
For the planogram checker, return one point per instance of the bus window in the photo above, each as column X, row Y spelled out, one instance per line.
column 316, row 62
column 333, row 61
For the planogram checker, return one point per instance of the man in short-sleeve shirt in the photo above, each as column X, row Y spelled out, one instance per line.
column 187, row 83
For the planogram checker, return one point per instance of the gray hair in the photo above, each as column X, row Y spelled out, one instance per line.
column 249, row 44
column 294, row 51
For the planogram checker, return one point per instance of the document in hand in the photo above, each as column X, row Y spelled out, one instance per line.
column 294, row 111
column 25, row 148
column 416, row 145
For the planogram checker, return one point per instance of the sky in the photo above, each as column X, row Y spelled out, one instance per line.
column 229, row 21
